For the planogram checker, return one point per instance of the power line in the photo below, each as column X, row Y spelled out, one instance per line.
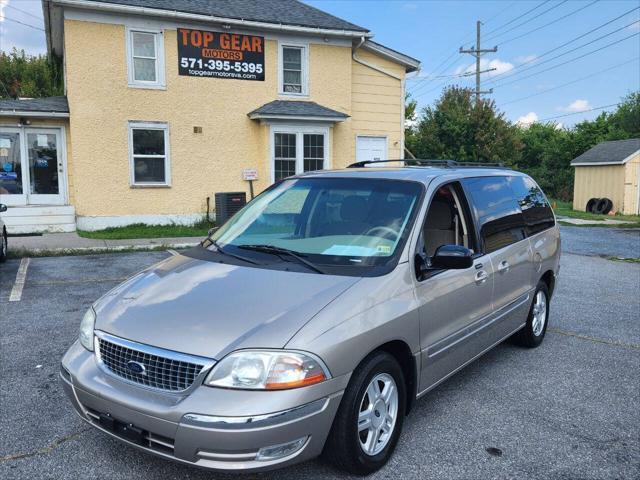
column 549, row 23
column 571, row 82
column 501, row 12
column 22, row 23
column 518, row 17
column 576, row 113
column 572, row 50
column 564, row 44
column 553, row 7
column 24, row 11
column 570, row 60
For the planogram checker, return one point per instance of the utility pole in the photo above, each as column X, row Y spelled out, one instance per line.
column 477, row 52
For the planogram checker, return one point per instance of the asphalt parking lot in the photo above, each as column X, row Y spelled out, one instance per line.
column 569, row 409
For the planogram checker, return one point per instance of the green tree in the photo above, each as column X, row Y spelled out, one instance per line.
column 23, row 75
column 458, row 128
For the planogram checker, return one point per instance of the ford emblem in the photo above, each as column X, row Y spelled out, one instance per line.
column 136, row 367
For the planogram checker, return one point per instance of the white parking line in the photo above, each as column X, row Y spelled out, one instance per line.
column 21, row 276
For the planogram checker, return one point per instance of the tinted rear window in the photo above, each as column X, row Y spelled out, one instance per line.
column 500, row 220
column 537, row 213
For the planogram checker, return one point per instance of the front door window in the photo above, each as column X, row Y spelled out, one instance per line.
column 43, row 163
column 11, row 171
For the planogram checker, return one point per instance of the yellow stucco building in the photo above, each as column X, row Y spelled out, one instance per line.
column 169, row 102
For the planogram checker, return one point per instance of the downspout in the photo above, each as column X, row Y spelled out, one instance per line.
column 354, row 56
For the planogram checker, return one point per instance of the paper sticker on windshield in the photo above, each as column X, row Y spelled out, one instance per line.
column 386, row 249
column 349, row 250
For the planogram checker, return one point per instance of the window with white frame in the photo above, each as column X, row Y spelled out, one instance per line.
column 146, row 58
column 297, row 150
column 149, row 154
column 293, row 69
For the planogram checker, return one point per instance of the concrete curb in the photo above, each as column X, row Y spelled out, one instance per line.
column 46, row 252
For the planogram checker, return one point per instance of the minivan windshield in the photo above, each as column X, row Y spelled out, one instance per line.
column 327, row 221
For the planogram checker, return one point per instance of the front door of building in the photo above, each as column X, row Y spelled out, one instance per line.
column 32, row 170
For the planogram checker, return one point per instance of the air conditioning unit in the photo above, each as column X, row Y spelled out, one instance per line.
column 227, row 204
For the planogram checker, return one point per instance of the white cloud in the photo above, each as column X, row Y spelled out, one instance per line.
column 635, row 27
column 526, row 58
column 576, row 106
column 527, row 119
column 499, row 65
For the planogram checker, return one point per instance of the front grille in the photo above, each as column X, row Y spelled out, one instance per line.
column 161, row 372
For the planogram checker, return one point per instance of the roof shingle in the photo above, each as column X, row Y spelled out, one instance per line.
column 36, row 105
column 281, row 12
column 294, row 108
column 615, row 151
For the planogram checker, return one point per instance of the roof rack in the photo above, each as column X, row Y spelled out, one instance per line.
column 431, row 163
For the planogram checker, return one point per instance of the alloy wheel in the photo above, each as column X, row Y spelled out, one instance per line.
column 378, row 414
column 539, row 313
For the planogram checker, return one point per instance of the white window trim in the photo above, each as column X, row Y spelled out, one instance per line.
column 167, row 153
column 299, row 130
column 160, row 82
column 305, row 69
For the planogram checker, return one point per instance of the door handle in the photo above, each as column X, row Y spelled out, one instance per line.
column 503, row 266
column 481, row 277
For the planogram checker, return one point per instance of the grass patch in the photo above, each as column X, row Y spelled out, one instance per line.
column 623, row 259
column 140, row 230
column 565, row 209
column 602, row 225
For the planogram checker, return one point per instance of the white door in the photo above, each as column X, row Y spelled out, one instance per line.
column 32, row 166
column 371, row 149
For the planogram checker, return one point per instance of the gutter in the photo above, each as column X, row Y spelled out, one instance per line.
column 248, row 24
column 27, row 113
column 356, row 59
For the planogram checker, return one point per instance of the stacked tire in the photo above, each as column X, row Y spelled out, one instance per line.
column 601, row 206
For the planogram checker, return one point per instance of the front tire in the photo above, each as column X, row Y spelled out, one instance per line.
column 533, row 332
column 369, row 421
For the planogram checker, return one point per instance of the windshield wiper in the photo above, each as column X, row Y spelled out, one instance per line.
column 233, row 255
column 279, row 251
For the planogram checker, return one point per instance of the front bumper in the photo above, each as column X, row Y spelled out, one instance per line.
column 214, row 428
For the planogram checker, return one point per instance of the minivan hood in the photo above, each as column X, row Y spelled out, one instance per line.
column 210, row 309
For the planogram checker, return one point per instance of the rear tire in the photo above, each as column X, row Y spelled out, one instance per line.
column 591, row 204
column 368, row 423
column 603, row 206
column 533, row 332
column 3, row 247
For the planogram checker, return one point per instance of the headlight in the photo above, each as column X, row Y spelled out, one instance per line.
column 86, row 329
column 267, row 370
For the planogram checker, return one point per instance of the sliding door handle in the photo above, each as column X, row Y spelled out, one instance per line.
column 481, row 277
column 503, row 266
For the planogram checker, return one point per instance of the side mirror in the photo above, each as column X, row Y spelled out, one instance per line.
column 3, row 207
column 449, row 257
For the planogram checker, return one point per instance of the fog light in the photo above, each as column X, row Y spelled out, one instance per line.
column 279, row 451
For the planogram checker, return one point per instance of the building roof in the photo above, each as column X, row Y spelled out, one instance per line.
column 616, row 152
column 411, row 64
column 280, row 12
column 35, row 107
column 296, row 110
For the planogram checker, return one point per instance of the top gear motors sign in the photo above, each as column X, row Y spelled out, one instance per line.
column 220, row 55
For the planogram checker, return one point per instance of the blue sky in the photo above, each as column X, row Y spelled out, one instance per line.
column 432, row 31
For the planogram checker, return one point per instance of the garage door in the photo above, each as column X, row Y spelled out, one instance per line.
column 371, row 148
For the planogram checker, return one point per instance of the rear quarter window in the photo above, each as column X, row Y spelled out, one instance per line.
column 500, row 220
column 536, row 211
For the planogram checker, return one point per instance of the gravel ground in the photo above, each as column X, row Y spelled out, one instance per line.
column 568, row 409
